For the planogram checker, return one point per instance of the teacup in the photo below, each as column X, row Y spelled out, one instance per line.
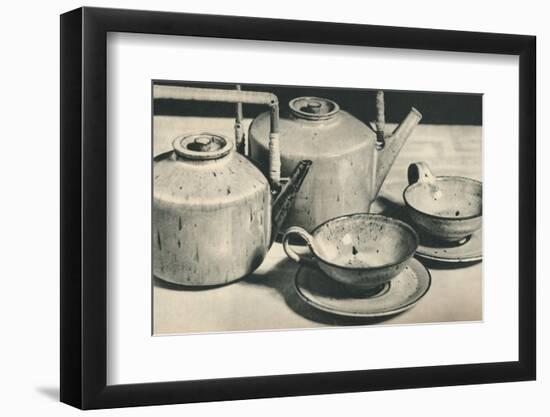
column 448, row 208
column 361, row 250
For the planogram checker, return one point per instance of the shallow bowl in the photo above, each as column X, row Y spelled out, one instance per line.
column 449, row 211
column 359, row 250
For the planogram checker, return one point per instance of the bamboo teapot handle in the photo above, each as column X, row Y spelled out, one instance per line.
column 235, row 96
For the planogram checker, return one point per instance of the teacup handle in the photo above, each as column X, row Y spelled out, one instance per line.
column 420, row 172
column 296, row 230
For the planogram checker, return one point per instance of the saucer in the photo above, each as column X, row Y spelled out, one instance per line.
column 469, row 251
column 400, row 294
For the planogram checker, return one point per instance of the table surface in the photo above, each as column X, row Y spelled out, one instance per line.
column 267, row 299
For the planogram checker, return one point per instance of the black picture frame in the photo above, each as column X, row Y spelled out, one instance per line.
column 84, row 207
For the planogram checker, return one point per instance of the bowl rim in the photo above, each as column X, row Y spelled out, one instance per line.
column 399, row 222
column 435, row 216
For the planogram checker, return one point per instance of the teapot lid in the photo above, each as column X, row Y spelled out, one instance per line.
column 202, row 146
column 313, row 108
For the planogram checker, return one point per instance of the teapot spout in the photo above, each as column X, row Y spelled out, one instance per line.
column 284, row 201
column 392, row 146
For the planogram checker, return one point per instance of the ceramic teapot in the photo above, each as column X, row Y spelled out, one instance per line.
column 215, row 214
column 350, row 159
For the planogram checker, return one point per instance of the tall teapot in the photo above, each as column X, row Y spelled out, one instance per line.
column 350, row 159
column 215, row 214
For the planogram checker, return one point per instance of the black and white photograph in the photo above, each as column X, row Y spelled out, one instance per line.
column 280, row 207
column 275, row 209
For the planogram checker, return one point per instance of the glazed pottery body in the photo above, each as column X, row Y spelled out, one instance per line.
column 212, row 212
column 211, row 219
column 448, row 208
column 360, row 250
column 347, row 169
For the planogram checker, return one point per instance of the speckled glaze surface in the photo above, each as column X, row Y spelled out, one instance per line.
column 453, row 253
column 360, row 250
column 211, row 218
column 447, row 208
column 345, row 175
column 342, row 151
column 400, row 294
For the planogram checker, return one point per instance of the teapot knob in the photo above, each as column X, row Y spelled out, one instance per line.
column 314, row 107
column 203, row 142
